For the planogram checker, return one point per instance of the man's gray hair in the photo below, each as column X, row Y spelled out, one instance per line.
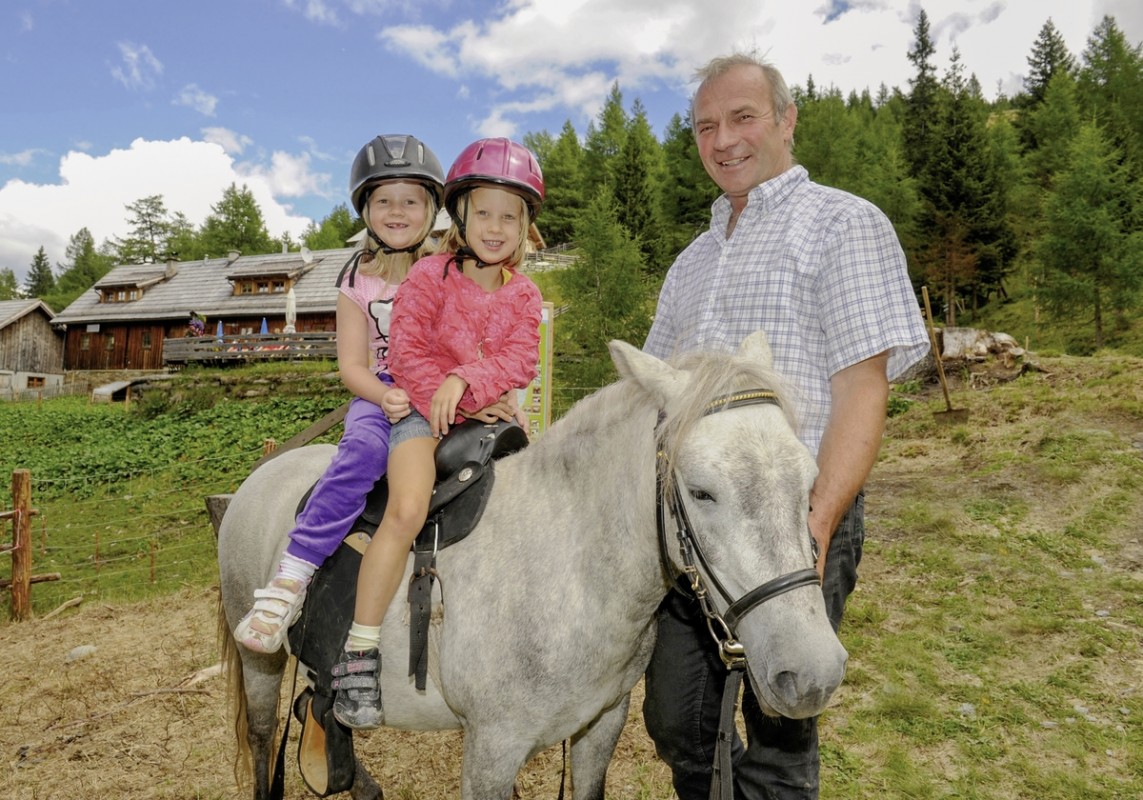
column 717, row 67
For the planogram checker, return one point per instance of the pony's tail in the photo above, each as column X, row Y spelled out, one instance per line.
column 235, row 700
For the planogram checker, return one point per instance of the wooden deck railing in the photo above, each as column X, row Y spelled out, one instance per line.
column 251, row 347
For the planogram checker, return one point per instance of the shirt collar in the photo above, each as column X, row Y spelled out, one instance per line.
column 763, row 197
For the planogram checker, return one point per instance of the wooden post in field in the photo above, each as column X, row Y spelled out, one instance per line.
column 21, row 544
column 269, row 446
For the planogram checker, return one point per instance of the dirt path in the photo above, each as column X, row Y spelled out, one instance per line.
column 138, row 719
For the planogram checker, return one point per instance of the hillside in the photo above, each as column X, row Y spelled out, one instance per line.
column 994, row 637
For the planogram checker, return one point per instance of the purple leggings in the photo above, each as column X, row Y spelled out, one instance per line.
column 339, row 496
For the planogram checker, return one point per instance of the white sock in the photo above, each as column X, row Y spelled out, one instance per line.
column 296, row 568
column 363, row 637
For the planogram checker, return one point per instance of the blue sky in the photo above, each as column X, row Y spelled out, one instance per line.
column 107, row 101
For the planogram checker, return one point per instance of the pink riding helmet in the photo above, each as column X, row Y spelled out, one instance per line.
column 499, row 161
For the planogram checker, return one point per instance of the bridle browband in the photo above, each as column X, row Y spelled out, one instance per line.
column 722, row 626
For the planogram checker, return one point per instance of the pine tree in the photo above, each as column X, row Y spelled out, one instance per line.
column 1091, row 252
column 83, row 268
column 335, row 230
column 826, row 140
column 1049, row 57
column 1111, row 91
column 563, row 187
column 150, row 232
column 970, row 244
column 1052, row 125
column 40, row 281
column 9, row 286
column 604, row 142
column 235, row 223
column 605, row 297
column 687, row 191
column 921, row 102
column 638, row 175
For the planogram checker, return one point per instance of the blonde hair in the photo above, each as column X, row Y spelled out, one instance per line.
column 454, row 241
column 393, row 267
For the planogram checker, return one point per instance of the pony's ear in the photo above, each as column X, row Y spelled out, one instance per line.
column 757, row 348
column 657, row 378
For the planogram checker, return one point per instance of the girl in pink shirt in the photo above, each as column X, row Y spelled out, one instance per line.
column 465, row 335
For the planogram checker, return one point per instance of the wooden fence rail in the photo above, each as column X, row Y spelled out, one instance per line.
column 250, row 347
column 21, row 547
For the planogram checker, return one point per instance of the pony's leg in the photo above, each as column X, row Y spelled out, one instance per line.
column 262, row 683
column 364, row 787
column 591, row 751
column 490, row 765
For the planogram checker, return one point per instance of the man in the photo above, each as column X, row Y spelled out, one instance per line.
column 822, row 272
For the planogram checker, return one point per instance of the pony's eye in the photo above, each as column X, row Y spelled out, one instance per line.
column 699, row 496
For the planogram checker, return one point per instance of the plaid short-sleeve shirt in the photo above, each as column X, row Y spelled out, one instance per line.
column 820, row 270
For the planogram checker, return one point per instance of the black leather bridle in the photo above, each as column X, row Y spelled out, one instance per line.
column 722, row 626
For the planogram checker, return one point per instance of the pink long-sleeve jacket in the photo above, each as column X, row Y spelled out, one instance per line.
column 444, row 324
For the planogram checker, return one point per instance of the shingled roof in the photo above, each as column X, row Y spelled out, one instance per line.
column 12, row 310
column 172, row 291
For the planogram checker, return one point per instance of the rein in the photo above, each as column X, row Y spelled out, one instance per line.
column 722, row 626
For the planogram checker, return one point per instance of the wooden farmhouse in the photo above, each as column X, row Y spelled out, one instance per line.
column 121, row 322
column 31, row 350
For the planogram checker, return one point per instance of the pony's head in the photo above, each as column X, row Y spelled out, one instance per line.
column 745, row 481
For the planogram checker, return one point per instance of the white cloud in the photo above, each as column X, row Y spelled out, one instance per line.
column 233, row 143
column 288, row 176
column 194, row 97
column 93, row 192
column 27, row 21
column 139, row 69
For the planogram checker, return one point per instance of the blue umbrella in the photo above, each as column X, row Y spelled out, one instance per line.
column 265, row 327
column 219, row 334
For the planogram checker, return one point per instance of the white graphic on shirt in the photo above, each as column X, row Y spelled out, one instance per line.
column 382, row 311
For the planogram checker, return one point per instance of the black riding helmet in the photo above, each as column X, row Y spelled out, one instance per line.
column 394, row 157
column 391, row 157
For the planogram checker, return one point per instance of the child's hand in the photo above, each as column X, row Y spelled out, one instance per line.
column 442, row 410
column 395, row 404
column 503, row 409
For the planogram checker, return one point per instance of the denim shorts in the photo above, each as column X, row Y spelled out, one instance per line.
column 413, row 426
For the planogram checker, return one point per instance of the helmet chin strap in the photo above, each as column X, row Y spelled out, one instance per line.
column 387, row 250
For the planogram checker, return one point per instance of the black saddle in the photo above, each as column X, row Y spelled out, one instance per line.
column 465, row 474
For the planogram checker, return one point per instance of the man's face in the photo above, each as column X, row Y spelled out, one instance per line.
column 739, row 140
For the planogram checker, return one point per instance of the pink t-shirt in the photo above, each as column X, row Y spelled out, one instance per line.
column 374, row 296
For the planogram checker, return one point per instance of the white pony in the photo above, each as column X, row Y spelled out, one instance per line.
column 550, row 604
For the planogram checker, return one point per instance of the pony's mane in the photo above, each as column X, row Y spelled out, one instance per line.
column 713, row 376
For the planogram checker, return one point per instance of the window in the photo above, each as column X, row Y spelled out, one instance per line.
column 279, row 287
column 85, row 342
column 35, row 381
column 263, row 287
column 146, row 340
column 110, row 342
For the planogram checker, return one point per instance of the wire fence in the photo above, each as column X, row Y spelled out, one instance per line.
column 142, row 537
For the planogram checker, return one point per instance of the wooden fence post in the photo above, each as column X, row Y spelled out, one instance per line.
column 21, row 544
column 268, row 446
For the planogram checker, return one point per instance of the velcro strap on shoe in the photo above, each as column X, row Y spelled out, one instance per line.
column 355, row 666
column 358, row 681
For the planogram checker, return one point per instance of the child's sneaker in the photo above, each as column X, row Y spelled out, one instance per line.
column 357, row 681
column 276, row 607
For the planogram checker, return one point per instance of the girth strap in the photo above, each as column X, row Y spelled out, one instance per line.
column 770, row 589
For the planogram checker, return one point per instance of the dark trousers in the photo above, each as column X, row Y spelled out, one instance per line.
column 684, row 683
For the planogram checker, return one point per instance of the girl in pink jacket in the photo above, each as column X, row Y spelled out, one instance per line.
column 464, row 335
